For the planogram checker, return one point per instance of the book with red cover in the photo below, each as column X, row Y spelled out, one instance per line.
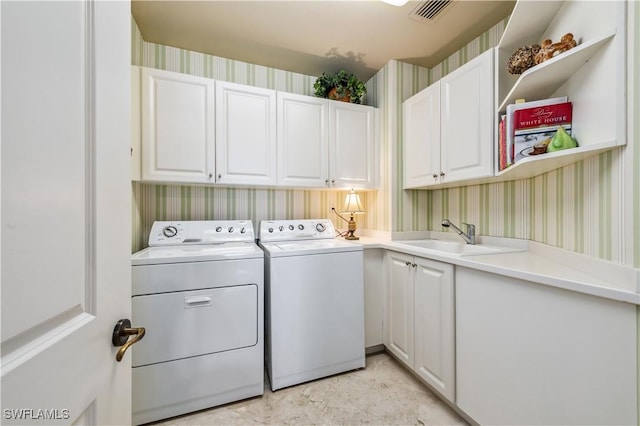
column 512, row 108
column 534, row 128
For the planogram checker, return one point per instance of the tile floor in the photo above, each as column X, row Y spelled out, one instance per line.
column 383, row 393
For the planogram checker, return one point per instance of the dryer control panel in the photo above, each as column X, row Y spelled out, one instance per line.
column 297, row 229
column 166, row 233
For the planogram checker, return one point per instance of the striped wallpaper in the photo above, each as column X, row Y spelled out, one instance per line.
column 580, row 207
column 153, row 202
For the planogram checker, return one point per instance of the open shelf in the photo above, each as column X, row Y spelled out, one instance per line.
column 534, row 166
column 544, row 79
column 527, row 23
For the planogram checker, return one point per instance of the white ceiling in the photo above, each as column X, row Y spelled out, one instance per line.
column 315, row 36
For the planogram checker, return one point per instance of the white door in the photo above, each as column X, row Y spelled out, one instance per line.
column 421, row 118
column 399, row 324
column 245, row 134
column 177, row 127
column 303, row 142
column 434, row 325
column 66, row 199
column 351, row 145
column 467, row 120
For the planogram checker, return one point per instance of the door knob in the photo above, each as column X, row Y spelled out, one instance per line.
column 121, row 334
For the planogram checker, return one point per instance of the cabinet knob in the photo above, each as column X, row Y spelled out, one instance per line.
column 333, row 181
column 326, row 182
column 407, row 263
column 210, row 175
column 441, row 174
column 414, row 265
column 435, row 176
column 219, row 176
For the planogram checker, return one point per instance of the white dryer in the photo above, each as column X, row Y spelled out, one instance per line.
column 314, row 301
column 198, row 288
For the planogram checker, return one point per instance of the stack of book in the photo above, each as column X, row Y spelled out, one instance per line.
column 526, row 128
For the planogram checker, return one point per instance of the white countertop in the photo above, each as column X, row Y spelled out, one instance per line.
column 537, row 262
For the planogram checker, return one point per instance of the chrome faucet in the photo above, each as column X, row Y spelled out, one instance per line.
column 469, row 237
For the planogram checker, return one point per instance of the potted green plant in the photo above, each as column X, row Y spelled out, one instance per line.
column 340, row 86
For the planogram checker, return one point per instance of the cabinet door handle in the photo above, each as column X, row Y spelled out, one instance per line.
column 407, row 263
column 415, row 265
column 441, row 174
column 435, row 176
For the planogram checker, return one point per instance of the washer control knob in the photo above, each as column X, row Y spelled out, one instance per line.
column 281, row 228
column 271, row 230
column 320, row 227
column 243, row 230
column 219, row 229
column 230, row 229
column 170, row 231
column 291, row 227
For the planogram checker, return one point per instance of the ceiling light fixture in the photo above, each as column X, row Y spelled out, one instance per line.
column 396, row 2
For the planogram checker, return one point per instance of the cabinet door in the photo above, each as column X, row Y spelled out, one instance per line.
column 421, row 118
column 399, row 324
column 467, row 120
column 245, row 134
column 351, row 145
column 532, row 354
column 434, row 325
column 303, row 141
column 177, row 127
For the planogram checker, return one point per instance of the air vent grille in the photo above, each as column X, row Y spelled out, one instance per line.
column 429, row 10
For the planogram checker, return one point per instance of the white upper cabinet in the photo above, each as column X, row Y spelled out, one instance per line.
column 325, row 144
column 303, row 140
column 245, row 135
column 198, row 130
column 177, row 127
column 466, row 125
column 352, row 146
column 448, row 127
column 422, row 138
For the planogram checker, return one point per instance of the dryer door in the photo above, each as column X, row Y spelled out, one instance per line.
column 192, row 323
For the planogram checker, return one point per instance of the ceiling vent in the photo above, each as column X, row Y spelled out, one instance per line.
column 429, row 10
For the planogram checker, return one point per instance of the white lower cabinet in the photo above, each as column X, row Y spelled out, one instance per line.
column 419, row 327
column 532, row 354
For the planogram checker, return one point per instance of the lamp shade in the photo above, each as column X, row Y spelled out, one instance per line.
column 352, row 204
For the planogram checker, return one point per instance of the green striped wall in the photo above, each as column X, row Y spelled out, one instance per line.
column 577, row 207
column 184, row 202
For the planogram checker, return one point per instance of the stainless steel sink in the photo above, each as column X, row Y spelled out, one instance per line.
column 456, row 248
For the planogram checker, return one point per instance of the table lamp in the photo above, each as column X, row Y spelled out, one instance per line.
column 352, row 205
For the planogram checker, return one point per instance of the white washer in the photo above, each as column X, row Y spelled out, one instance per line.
column 198, row 290
column 314, row 301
